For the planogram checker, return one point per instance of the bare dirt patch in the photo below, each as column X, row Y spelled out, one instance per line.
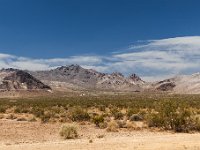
column 36, row 136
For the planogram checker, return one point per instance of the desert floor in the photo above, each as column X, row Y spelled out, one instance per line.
column 15, row 135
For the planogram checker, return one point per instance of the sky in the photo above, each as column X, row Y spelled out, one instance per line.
column 155, row 39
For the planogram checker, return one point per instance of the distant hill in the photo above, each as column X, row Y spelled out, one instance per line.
column 13, row 80
column 76, row 77
column 182, row 84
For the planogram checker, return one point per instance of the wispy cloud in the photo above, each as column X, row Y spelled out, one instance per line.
column 153, row 59
column 164, row 57
column 11, row 61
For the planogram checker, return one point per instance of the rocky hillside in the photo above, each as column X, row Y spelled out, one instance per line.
column 13, row 79
column 74, row 76
column 183, row 84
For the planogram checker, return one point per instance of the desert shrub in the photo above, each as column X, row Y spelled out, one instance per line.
column 197, row 123
column 62, row 120
column 136, row 117
column 25, row 110
column 117, row 113
column 121, row 123
column 64, row 117
column 103, row 125
column 98, row 120
column 37, row 111
column 182, row 121
column 143, row 114
column 112, row 126
column 20, row 109
column 78, row 114
column 58, row 110
column 132, row 111
column 102, row 108
column 68, row 132
column 2, row 109
column 155, row 120
column 17, row 110
column 172, row 116
column 164, row 115
column 47, row 116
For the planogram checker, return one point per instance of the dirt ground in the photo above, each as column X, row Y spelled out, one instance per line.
column 15, row 135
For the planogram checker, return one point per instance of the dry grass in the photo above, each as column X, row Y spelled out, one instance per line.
column 69, row 132
column 113, row 126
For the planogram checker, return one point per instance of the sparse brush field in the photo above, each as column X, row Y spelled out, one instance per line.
column 179, row 113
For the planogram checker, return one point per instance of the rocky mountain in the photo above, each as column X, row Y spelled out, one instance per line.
column 13, row 80
column 182, row 84
column 76, row 77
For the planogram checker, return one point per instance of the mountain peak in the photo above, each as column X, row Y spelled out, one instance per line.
column 134, row 77
column 8, row 70
column 74, row 66
column 69, row 67
column 117, row 74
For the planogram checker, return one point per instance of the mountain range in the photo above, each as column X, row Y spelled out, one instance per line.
column 74, row 77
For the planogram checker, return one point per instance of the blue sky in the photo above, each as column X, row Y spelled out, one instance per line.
column 107, row 35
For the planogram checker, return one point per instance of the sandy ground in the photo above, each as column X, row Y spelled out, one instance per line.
column 36, row 136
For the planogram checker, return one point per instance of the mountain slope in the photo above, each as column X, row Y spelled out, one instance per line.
column 183, row 84
column 13, row 79
column 76, row 77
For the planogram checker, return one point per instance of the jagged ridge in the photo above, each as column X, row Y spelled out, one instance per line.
column 75, row 75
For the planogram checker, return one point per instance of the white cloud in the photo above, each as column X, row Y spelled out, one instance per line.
column 165, row 57
column 153, row 59
column 10, row 61
column 5, row 56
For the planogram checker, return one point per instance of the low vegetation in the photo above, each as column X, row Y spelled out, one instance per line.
column 113, row 126
column 69, row 132
column 79, row 114
column 179, row 113
column 98, row 120
column 171, row 115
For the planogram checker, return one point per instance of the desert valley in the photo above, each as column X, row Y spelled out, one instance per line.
column 99, row 75
column 75, row 108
